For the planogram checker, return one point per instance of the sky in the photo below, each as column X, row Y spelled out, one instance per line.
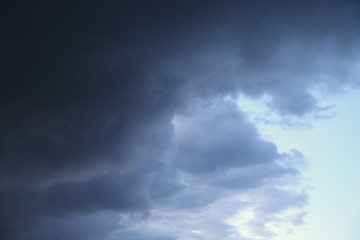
column 179, row 120
column 331, row 183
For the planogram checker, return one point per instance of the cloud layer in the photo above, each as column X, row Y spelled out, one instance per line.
column 118, row 119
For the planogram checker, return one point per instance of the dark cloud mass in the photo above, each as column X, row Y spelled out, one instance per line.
column 113, row 110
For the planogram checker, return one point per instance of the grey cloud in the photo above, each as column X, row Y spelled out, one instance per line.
column 250, row 177
column 200, row 192
column 123, row 60
column 183, row 224
column 277, row 200
column 89, row 92
column 140, row 234
column 165, row 182
column 218, row 137
column 195, row 196
column 213, row 151
column 68, row 206
column 74, row 226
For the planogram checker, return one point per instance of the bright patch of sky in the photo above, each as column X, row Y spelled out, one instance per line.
column 330, row 143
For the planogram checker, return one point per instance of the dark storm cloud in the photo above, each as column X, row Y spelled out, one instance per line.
column 53, row 206
column 74, row 226
column 89, row 92
column 105, row 193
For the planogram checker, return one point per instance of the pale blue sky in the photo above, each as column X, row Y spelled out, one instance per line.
column 331, row 148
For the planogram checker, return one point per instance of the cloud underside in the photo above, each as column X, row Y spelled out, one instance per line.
column 120, row 121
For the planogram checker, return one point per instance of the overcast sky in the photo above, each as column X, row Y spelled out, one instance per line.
column 179, row 120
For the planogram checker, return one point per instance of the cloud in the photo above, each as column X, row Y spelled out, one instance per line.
column 271, row 210
column 201, row 200
column 101, row 108
column 216, row 138
column 74, row 226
